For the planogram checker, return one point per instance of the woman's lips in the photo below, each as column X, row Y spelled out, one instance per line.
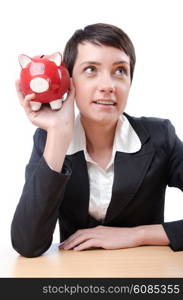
column 104, row 106
column 105, row 102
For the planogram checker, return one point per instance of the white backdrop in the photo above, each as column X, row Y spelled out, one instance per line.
column 42, row 27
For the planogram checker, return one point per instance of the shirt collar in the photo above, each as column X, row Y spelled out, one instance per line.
column 125, row 140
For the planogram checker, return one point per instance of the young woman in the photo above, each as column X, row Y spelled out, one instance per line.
column 103, row 175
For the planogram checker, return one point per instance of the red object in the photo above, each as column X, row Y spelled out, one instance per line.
column 46, row 76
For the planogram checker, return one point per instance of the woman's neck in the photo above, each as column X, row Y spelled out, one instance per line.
column 99, row 137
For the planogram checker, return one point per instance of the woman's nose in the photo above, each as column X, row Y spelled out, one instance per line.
column 106, row 84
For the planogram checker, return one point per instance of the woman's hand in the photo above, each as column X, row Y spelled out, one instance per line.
column 117, row 237
column 102, row 237
column 46, row 118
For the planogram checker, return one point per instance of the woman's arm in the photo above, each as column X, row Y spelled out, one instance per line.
column 46, row 177
column 37, row 211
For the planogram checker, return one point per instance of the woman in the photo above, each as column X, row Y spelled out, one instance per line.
column 104, row 175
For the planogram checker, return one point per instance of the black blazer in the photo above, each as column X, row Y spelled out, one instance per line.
column 138, row 192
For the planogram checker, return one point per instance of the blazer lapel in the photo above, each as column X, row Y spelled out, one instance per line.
column 77, row 189
column 129, row 172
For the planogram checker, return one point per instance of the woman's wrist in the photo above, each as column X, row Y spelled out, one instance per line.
column 56, row 147
column 151, row 235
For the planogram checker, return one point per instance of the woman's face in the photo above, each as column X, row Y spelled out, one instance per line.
column 101, row 76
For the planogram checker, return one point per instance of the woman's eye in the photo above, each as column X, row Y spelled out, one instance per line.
column 120, row 71
column 89, row 69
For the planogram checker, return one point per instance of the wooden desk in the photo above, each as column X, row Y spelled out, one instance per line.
column 146, row 261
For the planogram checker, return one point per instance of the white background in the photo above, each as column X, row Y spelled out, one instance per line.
column 42, row 27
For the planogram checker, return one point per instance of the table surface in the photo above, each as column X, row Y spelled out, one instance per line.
column 145, row 261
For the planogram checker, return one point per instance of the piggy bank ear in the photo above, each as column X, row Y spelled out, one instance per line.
column 24, row 60
column 56, row 58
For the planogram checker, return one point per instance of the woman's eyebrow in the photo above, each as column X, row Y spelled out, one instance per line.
column 121, row 62
column 90, row 63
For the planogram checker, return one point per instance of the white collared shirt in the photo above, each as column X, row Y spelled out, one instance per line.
column 101, row 180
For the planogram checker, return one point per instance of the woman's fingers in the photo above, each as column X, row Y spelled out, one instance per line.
column 19, row 92
column 68, row 105
column 27, row 99
column 71, row 92
column 71, row 89
column 24, row 100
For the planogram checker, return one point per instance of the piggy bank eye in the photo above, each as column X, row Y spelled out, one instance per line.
column 42, row 56
column 37, row 69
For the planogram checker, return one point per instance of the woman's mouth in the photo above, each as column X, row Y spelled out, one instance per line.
column 104, row 103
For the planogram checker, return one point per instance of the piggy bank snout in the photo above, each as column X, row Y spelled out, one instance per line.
column 39, row 85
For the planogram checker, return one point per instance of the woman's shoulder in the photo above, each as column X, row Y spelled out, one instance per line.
column 160, row 130
column 151, row 123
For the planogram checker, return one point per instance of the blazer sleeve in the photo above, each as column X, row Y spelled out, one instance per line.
column 36, row 214
column 174, row 229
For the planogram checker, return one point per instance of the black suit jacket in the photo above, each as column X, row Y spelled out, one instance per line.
column 138, row 192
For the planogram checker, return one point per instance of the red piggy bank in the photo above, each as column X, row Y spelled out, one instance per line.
column 47, row 77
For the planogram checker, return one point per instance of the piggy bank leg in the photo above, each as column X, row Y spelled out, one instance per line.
column 64, row 97
column 35, row 105
column 56, row 104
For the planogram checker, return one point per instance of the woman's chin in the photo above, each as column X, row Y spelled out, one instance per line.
column 104, row 119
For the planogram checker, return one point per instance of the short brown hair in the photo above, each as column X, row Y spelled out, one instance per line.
column 98, row 34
